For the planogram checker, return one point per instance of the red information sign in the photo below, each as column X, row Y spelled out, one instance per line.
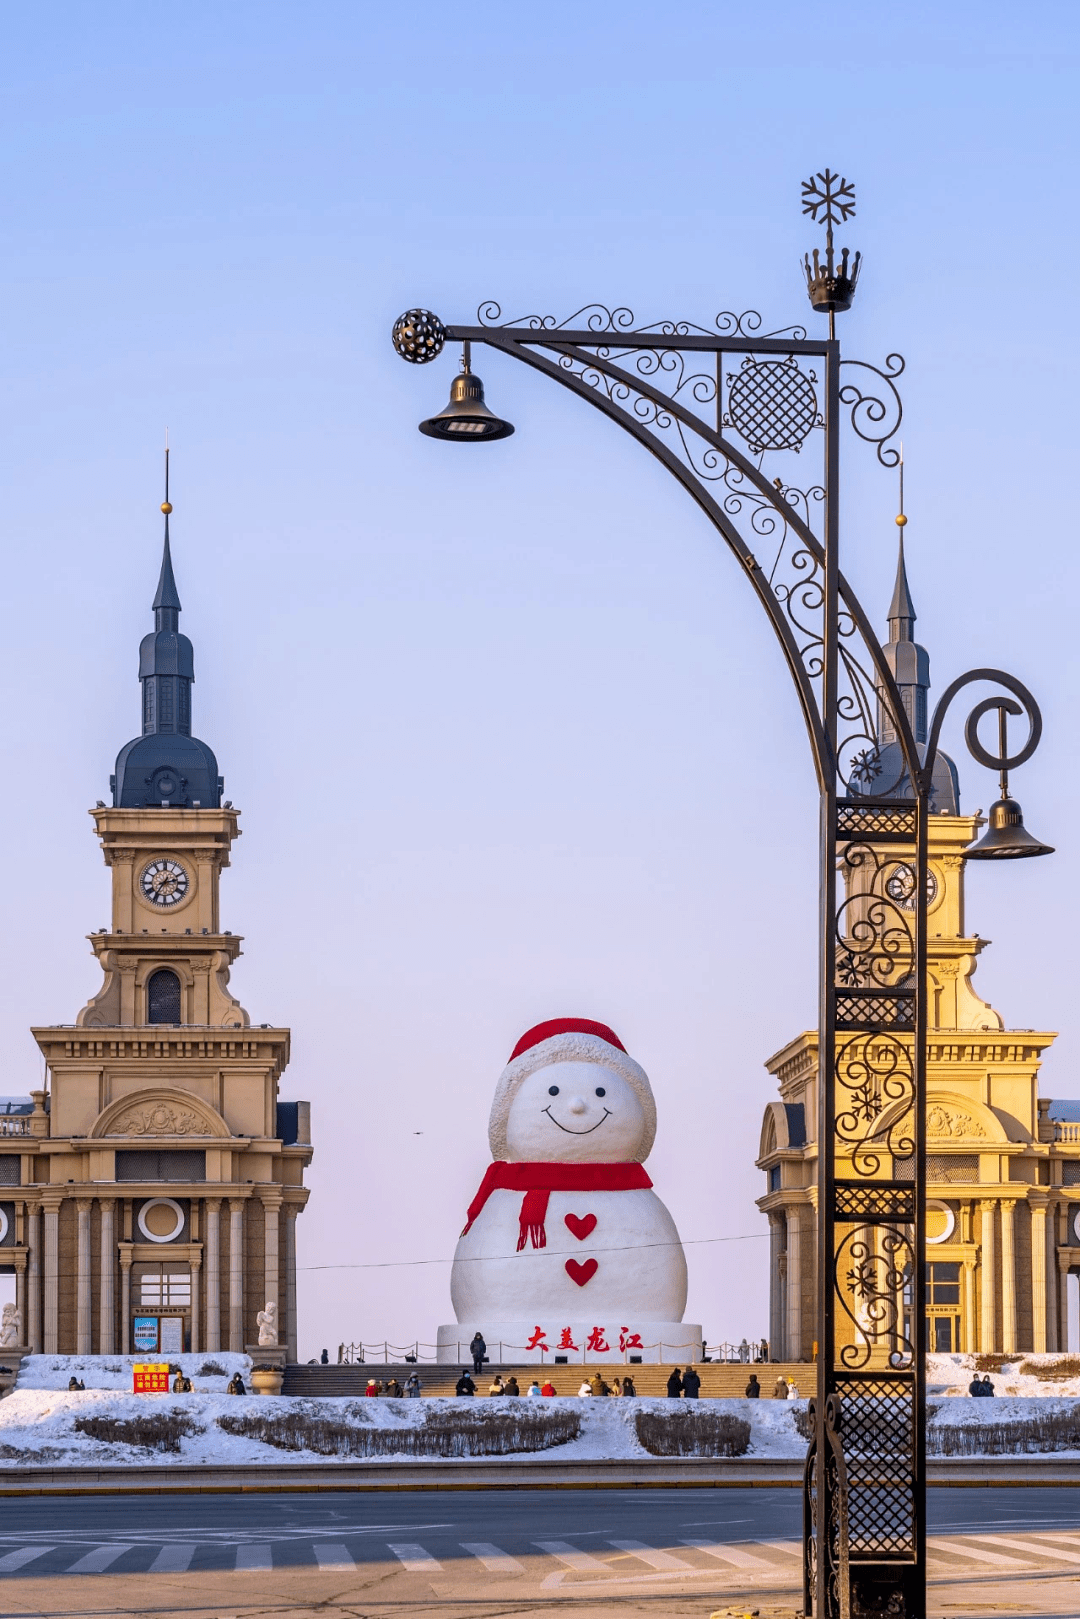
column 151, row 1377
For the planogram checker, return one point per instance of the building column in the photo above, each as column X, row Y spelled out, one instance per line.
column 32, row 1321
column 1065, row 1261
column 967, row 1321
column 988, row 1276
column 291, row 1211
column 236, row 1274
column 107, row 1295
column 196, row 1302
column 20, row 1294
column 1008, row 1276
column 776, row 1330
column 1038, row 1273
column 271, row 1202
column 125, row 1298
column 793, row 1347
column 84, row 1296
column 51, row 1332
column 212, row 1207
column 779, row 1350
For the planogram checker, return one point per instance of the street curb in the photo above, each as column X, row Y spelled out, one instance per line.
column 685, row 1473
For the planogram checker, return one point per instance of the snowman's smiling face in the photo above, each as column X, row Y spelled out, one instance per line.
column 575, row 1112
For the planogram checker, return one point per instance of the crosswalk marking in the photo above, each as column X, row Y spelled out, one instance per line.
column 650, row 1555
column 416, row 1559
column 729, row 1554
column 790, row 1548
column 25, row 1554
column 333, row 1558
column 100, row 1558
column 1026, row 1546
column 172, row 1559
column 950, row 1548
column 493, row 1559
column 582, row 1562
column 253, row 1558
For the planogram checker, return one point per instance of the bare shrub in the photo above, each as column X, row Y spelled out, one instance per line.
column 159, row 1430
column 210, row 1368
column 1012, row 1436
column 443, row 1433
column 992, row 1363
column 690, row 1430
column 804, row 1426
column 1057, row 1371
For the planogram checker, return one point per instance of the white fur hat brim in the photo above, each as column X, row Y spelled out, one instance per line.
column 570, row 1048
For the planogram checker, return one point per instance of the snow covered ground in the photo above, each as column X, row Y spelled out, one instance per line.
column 1041, row 1377
column 38, row 1419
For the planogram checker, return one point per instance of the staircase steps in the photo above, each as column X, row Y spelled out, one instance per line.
column 719, row 1381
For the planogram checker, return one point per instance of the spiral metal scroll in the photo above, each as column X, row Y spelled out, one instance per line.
column 599, row 318
column 876, row 416
column 872, row 1269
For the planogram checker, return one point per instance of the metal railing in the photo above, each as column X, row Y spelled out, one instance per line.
column 385, row 1353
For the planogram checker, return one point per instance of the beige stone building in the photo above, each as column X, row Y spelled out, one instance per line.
column 1003, row 1163
column 149, row 1195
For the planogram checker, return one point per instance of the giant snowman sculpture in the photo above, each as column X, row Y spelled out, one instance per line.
column 567, row 1252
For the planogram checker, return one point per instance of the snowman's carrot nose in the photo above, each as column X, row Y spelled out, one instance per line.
column 577, row 1104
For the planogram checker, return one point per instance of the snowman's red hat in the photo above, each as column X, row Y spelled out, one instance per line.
column 569, row 1040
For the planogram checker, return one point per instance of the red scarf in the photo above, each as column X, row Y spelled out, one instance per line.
column 538, row 1180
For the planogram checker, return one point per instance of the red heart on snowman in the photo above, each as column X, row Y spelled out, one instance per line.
column 581, row 1273
column 580, row 1225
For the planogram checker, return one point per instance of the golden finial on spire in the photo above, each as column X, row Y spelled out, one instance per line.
column 165, row 506
column 901, row 520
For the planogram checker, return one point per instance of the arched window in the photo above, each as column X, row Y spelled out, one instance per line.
column 163, row 998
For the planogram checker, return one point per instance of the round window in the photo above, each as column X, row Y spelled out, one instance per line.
column 3, row 1226
column 940, row 1222
column 161, row 1219
column 1076, row 1225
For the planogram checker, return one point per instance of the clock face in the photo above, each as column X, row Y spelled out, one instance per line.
column 164, row 882
column 900, row 886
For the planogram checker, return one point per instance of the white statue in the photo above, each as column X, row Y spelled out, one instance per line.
column 267, row 1320
column 11, row 1327
column 566, row 1246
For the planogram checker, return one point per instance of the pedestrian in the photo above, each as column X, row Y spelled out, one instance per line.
column 324, row 1358
column 236, row 1385
column 780, row 1390
column 628, row 1388
column 585, row 1390
column 763, row 1350
column 478, row 1351
column 548, row 1389
column 465, row 1384
column 393, row 1389
column 74, row 1385
column 691, row 1384
column 753, row 1388
column 793, row 1390
column 534, row 1388
column 497, row 1386
column 413, row 1387
column 674, row 1384
column 374, row 1388
column 512, row 1386
column 744, row 1352
column 597, row 1384
column 975, row 1388
column 988, row 1388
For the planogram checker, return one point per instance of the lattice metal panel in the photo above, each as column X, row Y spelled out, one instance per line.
column 772, row 403
column 875, row 1010
column 10, row 1167
column 878, row 1422
column 884, row 823
column 874, row 1201
column 961, row 1168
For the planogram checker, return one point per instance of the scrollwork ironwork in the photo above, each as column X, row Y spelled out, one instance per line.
column 872, row 1271
column 876, row 420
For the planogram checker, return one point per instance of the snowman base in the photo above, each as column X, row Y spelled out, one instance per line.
column 551, row 1343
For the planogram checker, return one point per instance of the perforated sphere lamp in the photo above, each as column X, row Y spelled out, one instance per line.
column 419, row 336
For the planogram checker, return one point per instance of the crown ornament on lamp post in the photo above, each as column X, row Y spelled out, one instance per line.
column 829, row 199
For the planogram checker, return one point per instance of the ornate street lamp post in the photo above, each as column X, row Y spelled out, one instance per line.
column 727, row 410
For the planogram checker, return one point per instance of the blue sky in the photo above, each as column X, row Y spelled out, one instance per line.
column 508, row 737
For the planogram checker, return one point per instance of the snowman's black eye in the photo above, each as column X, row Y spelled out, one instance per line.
column 553, row 1090
column 600, row 1091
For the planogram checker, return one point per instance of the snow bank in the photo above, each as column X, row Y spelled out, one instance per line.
column 114, row 1371
column 1021, row 1376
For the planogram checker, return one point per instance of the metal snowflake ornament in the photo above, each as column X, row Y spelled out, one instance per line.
column 829, row 199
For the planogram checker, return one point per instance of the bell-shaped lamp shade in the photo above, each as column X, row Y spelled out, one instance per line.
column 466, row 419
column 1006, row 837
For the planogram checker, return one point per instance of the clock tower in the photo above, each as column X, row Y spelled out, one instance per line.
column 163, row 1173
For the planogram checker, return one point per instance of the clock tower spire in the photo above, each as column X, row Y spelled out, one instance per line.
column 166, row 767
